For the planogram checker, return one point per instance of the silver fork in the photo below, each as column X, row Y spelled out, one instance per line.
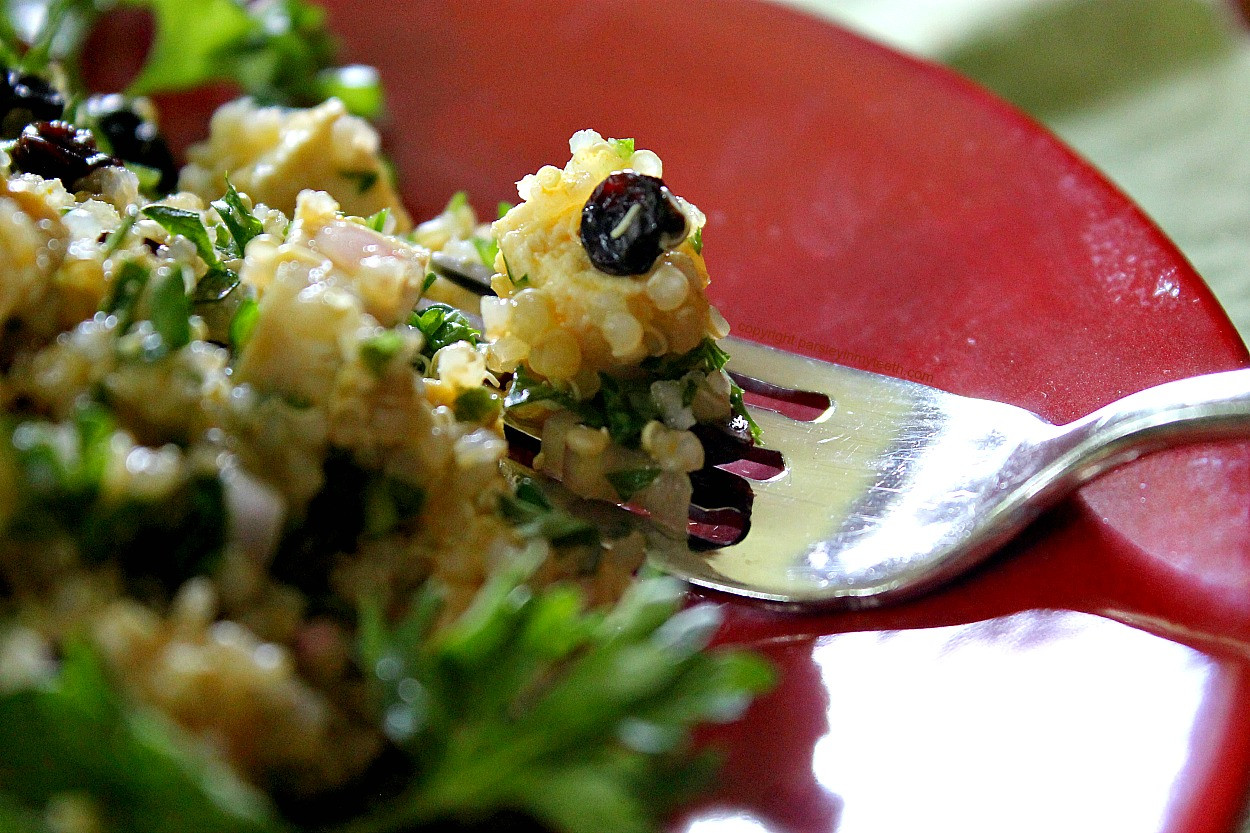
column 898, row 487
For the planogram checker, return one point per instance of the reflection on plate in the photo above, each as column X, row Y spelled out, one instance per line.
column 1038, row 721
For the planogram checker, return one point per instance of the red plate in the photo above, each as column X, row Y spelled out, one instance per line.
column 880, row 212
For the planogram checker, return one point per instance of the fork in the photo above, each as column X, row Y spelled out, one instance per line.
column 874, row 488
column 898, row 486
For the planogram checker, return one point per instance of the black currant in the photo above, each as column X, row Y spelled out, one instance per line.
column 25, row 98
column 629, row 220
column 132, row 138
column 57, row 149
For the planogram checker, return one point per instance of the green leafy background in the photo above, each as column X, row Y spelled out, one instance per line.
column 1156, row 93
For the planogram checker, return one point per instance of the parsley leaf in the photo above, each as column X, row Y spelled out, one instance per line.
column 623, row 147
column 239, row 219
column 487, row 248
column 278, row 52
column 188, row 224
column 529, row 704
column 243, row 323
column 171, row 312
column 443, row 325
column 741, row 413
column 364, row 179
column 529, row 510
column 191, row 40
column 123, row 298
column 696, row 240
column 629, row 482
column 479, row 404
column 76, row 734
column 377, row 351
column 60, row 34
column 218, row 281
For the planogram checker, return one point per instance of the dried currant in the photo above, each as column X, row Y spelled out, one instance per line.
column 25, row 98
column 57, row 149
column 133, row 138
column 629, row 220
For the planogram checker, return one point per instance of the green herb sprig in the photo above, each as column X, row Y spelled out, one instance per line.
column 76, row 735
column 442, row 325
column 532, row 513
column 528, row 704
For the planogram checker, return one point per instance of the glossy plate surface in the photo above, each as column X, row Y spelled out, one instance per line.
column 878, row 212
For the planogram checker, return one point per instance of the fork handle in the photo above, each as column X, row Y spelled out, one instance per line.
column 1210, row 407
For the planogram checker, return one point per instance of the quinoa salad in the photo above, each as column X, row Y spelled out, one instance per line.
column 266, row 562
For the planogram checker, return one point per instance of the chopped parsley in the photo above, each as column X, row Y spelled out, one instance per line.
column 117, row 237
column 218, row 281
column 741, row 413
column 377, row 221
column 188, row 224
column 622, row 405
column 696, row 240
column 377, row 351
column 629, row 482
column 519, row 283
column 239, row 219
column 364, row 180
column 171, row 313
column 534, row 516
column 527, row 389
column 479, row 404
column 623, row 147
column 627, row 407
column 707, row 357
column 123, row 298
column 61, row 468
column 388, row 502
column 149, row 177
column 487, row 248
column 214, row 286
column 443, row 325
column 243, row 323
